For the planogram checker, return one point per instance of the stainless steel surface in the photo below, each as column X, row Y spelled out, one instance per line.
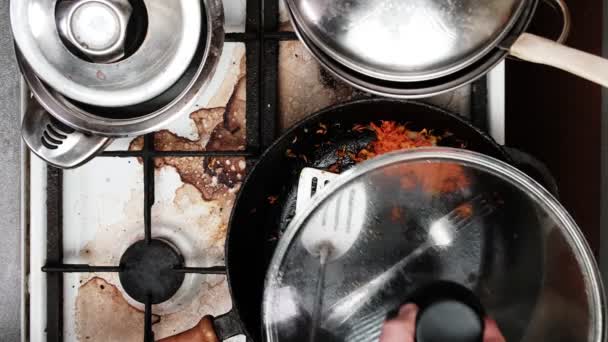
column 413, row 90
column 405, row 41
column 97, row 28
column 11, row 288
column 311, row 183
column 56, row 143
column 528, row 232
column 400, row 90
column 201, row 72
column 171, row 41
column 340, row 226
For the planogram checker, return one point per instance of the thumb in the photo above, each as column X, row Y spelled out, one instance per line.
column 491, row 332
column 402, row 328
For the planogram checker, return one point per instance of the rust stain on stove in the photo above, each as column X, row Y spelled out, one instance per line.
column 230, row 135
column 284, row 22
column 199, row 210
column 227, row 88
column 305, row 87
column 137, row 144
column 219, row 129
column 102, row 314
column 100, row 75
column 285, row 26
column 187, row 196
column 216, row 301
column 205, row 121
column 223, row 128
column 213, row 177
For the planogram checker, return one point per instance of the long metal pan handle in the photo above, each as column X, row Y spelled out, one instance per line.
column 210, row 329
column 532, row 48
column 57, row 143
column 540, row 50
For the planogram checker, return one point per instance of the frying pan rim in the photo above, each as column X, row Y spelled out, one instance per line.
column 287, row 134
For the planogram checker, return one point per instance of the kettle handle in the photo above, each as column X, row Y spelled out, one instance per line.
column 540, row 50
column 55, row 142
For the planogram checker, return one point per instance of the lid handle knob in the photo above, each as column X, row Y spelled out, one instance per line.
column 95, row 28
column 448, row 312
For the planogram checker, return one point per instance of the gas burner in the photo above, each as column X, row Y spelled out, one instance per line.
column 148, row 270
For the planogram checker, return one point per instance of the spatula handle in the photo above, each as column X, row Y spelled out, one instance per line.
column 540, row 50
column 318, row 306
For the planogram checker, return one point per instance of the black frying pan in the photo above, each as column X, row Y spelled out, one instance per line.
column 266, row 202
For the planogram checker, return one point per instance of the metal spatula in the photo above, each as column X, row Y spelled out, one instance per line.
column 311, row 182
column 333, row 231
column 342, row 217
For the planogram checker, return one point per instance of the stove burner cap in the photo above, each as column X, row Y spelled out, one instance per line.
column 147, row 270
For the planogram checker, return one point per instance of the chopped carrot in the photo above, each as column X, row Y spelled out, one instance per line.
column 433, row 178
column 359, row 128
column 396, row 214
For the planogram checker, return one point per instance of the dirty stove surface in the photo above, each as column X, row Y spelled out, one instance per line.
column 180, row 183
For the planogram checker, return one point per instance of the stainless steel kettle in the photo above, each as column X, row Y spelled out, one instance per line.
column 110, row 68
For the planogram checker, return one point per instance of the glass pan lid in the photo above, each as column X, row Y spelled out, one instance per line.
column 431, row 215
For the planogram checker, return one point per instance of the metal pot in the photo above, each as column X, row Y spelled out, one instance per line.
column 425, row 47
column 75, row 131
column 82, row 48
column 421, row 218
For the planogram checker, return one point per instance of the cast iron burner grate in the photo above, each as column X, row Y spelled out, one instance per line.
column 261, row 39
column 148, row 271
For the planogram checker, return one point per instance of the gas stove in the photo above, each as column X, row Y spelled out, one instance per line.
column 176, row 188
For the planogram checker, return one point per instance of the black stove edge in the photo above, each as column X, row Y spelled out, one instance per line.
column 13, row 285
column 54, row 253
column 603, row 261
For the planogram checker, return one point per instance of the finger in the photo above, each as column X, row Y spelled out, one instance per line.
column 492, row 332
column 401, row 328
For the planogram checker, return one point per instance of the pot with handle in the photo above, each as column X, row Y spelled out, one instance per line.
column 266, row 202
column 75, row 120
column 420, row 48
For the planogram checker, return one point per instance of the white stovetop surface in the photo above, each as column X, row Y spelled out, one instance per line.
column 103, row 204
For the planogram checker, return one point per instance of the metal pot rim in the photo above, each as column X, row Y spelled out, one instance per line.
column 82, row 120
column 420, row 89
column 157, row 64
column 368, row 69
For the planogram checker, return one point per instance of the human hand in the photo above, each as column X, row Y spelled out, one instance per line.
column 403, row 327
